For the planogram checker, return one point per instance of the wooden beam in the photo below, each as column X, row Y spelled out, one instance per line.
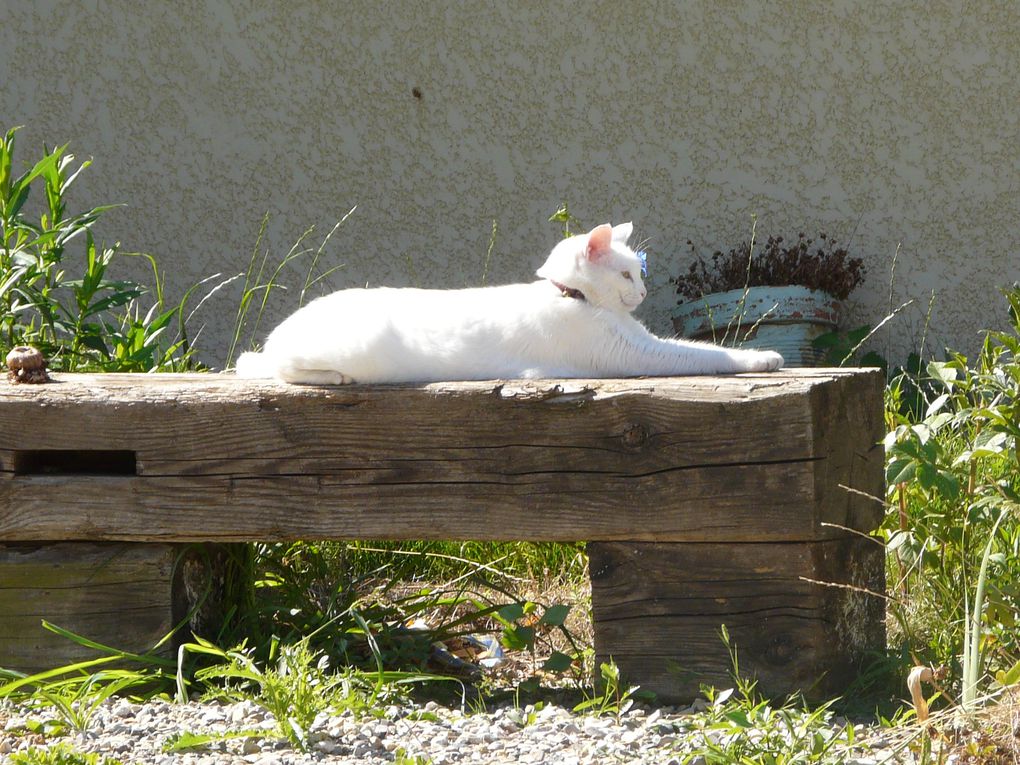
column 745, row 458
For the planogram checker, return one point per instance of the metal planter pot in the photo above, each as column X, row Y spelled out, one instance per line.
column 783, row 319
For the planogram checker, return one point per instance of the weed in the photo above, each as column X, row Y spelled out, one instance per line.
column 186, row 741
column 953, row 526
column 740, row 727
column 294, row 691
column 72, row 694
column 81, row 324
column 442, row 561
column 263, row 277
column 488, row 253
column 524, row 625
column 59, row 754
column 76, row 701
column 842, row 348
column 401, row 757
column 614, row 699
column 297, row 687
column 953, row 529
column 563, row 215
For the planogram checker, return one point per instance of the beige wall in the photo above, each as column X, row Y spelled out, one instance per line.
column 894, row 122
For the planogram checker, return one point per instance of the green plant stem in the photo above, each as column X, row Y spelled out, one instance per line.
column 972, row 663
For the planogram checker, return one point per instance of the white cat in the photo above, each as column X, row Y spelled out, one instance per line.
column 575, row 322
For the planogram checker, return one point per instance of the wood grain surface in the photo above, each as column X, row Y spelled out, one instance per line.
column 707, row 501
column 741, row 458
column 116, row 594
column 659, row 609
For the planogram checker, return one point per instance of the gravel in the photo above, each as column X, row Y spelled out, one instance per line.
column 133, row 733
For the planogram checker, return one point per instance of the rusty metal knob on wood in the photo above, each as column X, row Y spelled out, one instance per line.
column 26, row 365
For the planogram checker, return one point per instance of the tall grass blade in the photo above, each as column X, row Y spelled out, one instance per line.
column 309, row 281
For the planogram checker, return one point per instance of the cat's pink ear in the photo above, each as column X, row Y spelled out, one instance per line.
column 600, row 243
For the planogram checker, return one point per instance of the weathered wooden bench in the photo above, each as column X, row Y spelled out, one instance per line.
column 705, row 501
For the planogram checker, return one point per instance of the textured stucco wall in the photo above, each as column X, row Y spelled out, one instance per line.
column 893, row 123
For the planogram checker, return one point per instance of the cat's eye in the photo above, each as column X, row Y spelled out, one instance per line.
column 626, row 275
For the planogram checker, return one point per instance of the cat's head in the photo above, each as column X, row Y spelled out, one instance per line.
column 600, row 265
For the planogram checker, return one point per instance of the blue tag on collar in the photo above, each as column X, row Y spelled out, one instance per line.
column 643, row 257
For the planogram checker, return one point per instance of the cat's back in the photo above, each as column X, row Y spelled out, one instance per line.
column 359, row 315
column 427, row 305
column 400, row 334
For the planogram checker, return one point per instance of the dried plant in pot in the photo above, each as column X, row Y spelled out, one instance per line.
column 781, row 296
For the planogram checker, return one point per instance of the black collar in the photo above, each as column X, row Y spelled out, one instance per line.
column 569, row 292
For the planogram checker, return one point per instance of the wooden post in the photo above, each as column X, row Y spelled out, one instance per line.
column 126, row 595
column 799, row 615
column 114, row 593
column 802, row 615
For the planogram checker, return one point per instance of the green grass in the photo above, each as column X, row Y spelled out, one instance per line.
column 442, row 561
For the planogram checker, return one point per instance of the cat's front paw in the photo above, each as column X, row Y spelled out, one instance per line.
column 756, row 361
column 300, row 376
column 764, row 361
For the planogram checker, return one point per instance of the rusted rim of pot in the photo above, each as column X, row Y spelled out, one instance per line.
column 772, row 305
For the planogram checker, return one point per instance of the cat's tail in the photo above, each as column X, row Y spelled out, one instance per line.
column 255, row 365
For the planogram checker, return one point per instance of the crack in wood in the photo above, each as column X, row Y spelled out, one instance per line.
column 430, row 462
column 790, row 611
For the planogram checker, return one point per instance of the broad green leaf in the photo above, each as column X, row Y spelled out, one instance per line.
column 937, row 422
column 991, row 441
column 555, row 615
column 527, row 633
column 900, row 471
column 898, row 539
column 873, row 359
column 826, row 341
column 738, row 717
column 1009, row 676
column 512, row 640
column 935, row 406
column 941, row 370
column 558, row 662
column 95, row 342
column 511, row 612
column 927, row 475
column 113, row 301
column 182, row 742
column 610, row 672
column 6, row 150
column 722, row 697
column 584, row 706
column 16, row 199
column 43, row 166
column 947, row 484
column 187, row 741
